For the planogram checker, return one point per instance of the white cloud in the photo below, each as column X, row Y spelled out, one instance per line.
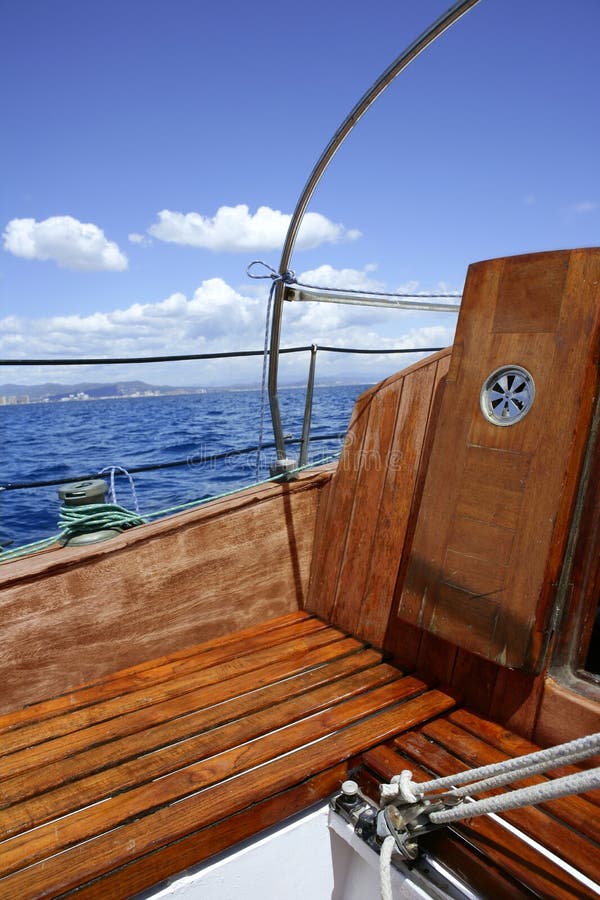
column 70, row 243
column 234, row 228
column 216, row 318
column 351, row 279
column 136, row 238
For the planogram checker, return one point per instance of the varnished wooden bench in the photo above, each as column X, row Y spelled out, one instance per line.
column 115, row 786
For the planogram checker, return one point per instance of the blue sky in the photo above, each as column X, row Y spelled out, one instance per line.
column 141, row 138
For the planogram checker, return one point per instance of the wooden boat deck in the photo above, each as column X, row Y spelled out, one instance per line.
column 113, row 787
column 125, row 781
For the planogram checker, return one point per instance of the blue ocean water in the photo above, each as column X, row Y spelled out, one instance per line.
column 44, row 441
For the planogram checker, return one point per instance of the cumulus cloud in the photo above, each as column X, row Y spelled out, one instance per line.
column 70, row 243
column 235, row 228
column 217, row 317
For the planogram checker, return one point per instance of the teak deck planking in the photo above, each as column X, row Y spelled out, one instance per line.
column 122, row 791
column 130, row 800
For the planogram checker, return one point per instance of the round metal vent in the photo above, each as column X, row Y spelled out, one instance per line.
column 507, row 395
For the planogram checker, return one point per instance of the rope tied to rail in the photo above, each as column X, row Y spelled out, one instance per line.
column 287, row 277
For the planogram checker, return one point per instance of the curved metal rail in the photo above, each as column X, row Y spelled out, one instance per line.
column 401, row 62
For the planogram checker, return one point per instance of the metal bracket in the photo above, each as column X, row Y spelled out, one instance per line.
column 405, row 822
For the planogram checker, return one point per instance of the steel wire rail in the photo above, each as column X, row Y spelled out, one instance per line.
column 304, row 441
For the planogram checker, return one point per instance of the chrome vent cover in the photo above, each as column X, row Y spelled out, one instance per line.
column 507, row 395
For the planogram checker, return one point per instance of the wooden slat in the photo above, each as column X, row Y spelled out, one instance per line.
column 134, row 839
column 505, row 850
column 314, row 601
column 364, row 527
column 560, row 839
column 156, row 671
column 114, row 741
column 144, row 762
column 199, row 846
column 154, row 693
column 363, row 520
column 511, row 744
column 85, row 823
column 326, row 567
column 403, row 461
column 578, row 813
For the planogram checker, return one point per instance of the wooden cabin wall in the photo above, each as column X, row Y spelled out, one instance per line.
column 70, row 616
column 363, row 538
column 364, row 519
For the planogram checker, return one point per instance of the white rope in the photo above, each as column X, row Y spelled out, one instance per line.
column 523, row 765
column 578, row 783
column 488, row 784
column 385, row 867
column 112, row 491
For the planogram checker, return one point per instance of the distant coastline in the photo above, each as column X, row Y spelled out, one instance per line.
column 19, row 394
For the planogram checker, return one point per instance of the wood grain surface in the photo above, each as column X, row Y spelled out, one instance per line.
column 497, row 502
column 363, row 528
column 72, row 616
column 569, row 829
column 197, row 750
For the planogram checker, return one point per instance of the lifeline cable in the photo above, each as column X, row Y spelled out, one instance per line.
column 47, row 543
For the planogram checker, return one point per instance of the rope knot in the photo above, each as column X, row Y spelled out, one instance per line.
column 288, row 277
column 401, row 786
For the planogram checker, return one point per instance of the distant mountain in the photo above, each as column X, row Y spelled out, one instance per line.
column 55, row 391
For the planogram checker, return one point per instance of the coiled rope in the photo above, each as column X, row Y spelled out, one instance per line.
column 90, row 517
column 127, row 522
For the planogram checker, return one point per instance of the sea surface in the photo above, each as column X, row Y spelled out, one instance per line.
column 48, row 441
